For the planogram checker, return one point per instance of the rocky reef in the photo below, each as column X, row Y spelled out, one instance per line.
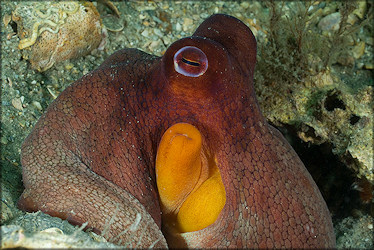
column 303, row 77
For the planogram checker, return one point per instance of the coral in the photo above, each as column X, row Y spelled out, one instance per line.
column 51, row 32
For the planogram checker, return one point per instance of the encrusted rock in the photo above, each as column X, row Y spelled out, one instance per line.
column 51, row 32
column 39, row 230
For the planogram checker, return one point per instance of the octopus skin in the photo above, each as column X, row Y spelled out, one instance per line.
column 174, row 152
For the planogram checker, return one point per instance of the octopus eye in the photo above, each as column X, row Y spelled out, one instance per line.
column 190, row 61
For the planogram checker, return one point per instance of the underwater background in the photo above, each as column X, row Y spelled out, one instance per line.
column 313, row 80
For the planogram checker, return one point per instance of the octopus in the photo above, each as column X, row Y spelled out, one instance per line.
column 174, row 152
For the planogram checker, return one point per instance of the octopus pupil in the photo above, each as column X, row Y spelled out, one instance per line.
column 196, row 64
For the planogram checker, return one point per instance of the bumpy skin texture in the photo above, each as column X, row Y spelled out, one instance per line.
column 91, row 157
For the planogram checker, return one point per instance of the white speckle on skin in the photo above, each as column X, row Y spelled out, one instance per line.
column 136, row 223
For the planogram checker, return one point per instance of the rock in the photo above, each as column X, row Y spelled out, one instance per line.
column 330, row 22
column 358, row 50
column 361, row 10
column 51, row 32
column 369, row 66
column 38, row 230
column 6, row 19
column 37, row 105
column 187, row 23
column 244, row 5
column 178, row 27
column 17, row 103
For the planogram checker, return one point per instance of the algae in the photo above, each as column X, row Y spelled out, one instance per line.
column 299, row 81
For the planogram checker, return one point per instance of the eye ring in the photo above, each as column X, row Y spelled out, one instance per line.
column 190, row 61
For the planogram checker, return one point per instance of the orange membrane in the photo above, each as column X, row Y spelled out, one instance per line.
column 191, row 191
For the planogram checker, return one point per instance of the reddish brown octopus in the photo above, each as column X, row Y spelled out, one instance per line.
column 174, row 151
